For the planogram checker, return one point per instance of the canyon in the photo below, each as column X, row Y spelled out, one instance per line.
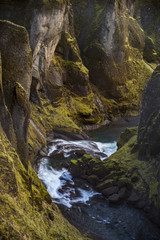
column 67, row 67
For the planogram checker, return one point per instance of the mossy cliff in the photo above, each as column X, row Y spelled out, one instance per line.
column 123, row 176
column 132, row 174
column 148, row 132
column 27, row 211
column 45, row 87
column 15, row 84
column 114, row 37
column 58, row 72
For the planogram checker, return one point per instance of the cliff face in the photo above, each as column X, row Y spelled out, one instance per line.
column 114, row 37
column 116, row 44
column 148, row 134
column 44, row 86
column 15, row 85
column 132, row 174
column 27, row 211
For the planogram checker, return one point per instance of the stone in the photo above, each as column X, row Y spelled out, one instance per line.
column 149, row 128
column 122, row 193
column 114, row 198
column 133, row 198
column 16, row 78
column 140, row 204
column 110, row 191
column 112, row 47
column 93, row 179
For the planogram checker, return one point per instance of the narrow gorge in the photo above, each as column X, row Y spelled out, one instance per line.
column 79, row 98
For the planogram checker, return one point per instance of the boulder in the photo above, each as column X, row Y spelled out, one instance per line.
column 133, row 198
column 110, row 191
column 114, row 198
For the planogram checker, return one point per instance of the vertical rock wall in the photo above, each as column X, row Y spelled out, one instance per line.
column 15, row 85
column 112, row 41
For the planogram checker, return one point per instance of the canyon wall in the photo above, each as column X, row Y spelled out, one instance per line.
column 65, row 69
column 120, row 47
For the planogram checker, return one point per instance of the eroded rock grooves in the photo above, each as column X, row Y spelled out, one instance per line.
column 67, row 66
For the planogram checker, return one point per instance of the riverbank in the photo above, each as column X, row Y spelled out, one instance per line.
column 83, row 206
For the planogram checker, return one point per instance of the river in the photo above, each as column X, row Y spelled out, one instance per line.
column 80, row 203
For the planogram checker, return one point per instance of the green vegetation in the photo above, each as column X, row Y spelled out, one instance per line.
column 26, row 208
column 122, row 169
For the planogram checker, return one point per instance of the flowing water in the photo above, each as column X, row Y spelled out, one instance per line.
column 83, row 206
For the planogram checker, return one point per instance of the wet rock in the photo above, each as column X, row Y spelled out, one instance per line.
column 100, row 171
column 110, row 191
column 76, row 169
column 149, row 128
column 44, row 152
column 133, row 198
column 140, row 204
column 93, row 179
column 16, row 82
column 59, row 134
column 96, row 126
column 56, row 153
column 122, row 193
column 109, row 183
column 65, row 165
column 114, row 198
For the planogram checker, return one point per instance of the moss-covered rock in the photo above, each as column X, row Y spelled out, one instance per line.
column 27, row 210
column 148, row 132
column 16, row 81
column 126, row 135
column 112, row 49
column 147, row 14
column 123, row 176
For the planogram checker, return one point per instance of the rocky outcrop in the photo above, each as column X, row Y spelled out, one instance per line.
column 27, row 210
column 5, row 116
column 15, row 85
column 63, row 99
column 114, row 37
column 123, row 177
column 149, row 134
column 58, row 72
column 114, row 47
column 132, row 174
column 147, row 14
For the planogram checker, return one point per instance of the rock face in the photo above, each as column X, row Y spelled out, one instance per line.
column 113, row 48
column 15, row 85
column 113, row 39
column 123, row 177
column 51, row 33
column 58, row 72
column 149, row 132
column 27, row 210
column 133, row 172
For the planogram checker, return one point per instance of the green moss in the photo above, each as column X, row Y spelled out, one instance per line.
column 126, row 135
column 22, row 98
column 74, row 162
column 75, row 66
column 123, row 168
column 27, row 211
